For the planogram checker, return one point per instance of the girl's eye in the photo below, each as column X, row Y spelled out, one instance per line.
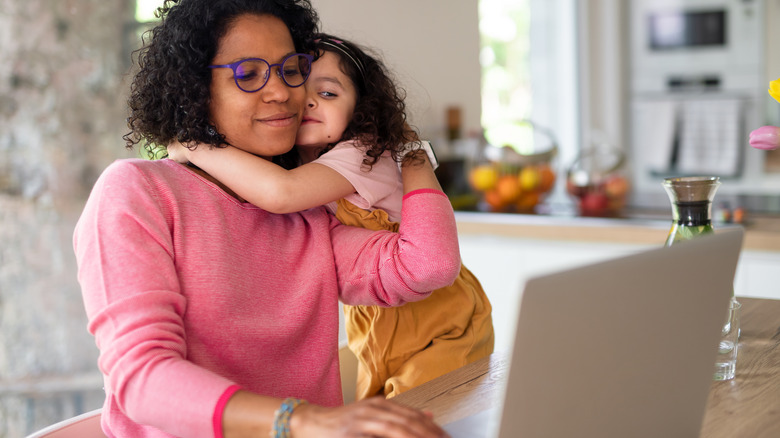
column 327, row 94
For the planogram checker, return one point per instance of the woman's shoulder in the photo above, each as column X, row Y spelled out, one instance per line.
column 134, row 173
column 137, row 167
column 139, row 164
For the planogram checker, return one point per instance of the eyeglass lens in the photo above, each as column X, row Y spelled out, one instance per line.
column 252, row 74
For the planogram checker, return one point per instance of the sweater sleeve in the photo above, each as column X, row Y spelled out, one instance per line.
column 390, row 269
column 124, row 247
column 372, row 185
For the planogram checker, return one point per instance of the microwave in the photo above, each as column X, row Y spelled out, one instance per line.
column 696, row 87
column 713, row 44
column 679, row 29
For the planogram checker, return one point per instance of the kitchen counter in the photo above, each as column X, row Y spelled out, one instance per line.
column 504, row 250
column 762, row 232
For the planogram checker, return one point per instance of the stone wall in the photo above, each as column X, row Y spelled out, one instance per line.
column 63, row 67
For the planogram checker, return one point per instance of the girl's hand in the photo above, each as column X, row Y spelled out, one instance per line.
column 178, row 153
column 417, row 172
column 374, row 417
column 412, row 148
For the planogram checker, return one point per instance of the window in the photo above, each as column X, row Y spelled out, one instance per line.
column 145, row 20
column 141, row 20
column 530, row 71
column 504, row 56
column 144, row 10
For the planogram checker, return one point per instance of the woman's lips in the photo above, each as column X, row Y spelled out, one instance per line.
column 281, row 120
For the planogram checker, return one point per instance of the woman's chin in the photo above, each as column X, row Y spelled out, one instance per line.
column 267, row 146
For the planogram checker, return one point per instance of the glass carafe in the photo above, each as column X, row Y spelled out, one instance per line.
column 692, row 216
column 691, row 206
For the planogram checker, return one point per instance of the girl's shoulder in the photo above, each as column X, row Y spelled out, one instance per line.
column 348, row 157
column 349, row 145
column 353, row 147
column 352, row 151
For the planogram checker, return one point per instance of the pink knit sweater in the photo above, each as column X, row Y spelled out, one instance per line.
column 191, row 294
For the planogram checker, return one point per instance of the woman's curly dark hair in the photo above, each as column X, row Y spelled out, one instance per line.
column 379, row 120
column 169, row 96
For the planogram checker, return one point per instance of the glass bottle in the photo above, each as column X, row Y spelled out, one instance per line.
column 691, row 199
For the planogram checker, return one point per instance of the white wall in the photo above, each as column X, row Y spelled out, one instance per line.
column 602, row 72
column 432, row 46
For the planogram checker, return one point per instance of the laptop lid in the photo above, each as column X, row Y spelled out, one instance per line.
column 620, row 348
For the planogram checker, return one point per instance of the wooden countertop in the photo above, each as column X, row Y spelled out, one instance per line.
column 762, row 233
column 747, row 406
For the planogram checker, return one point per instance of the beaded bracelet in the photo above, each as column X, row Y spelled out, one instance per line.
column 281, row 427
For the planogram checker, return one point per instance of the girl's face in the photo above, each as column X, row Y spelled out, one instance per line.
column 330, row 102
column 265, row 122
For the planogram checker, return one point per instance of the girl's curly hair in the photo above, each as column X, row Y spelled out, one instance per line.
column 379, row 120
column 169, row 96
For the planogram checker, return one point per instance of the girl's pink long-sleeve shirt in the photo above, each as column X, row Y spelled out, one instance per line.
column 191, row 294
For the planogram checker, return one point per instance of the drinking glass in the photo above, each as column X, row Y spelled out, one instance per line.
column 726, row 362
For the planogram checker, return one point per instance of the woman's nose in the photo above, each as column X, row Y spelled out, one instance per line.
column 275, row 89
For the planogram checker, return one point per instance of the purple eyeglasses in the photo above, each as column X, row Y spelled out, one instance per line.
column 252, row 74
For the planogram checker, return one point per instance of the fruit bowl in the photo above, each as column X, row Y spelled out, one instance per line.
column 597, row 182
column 508, row 181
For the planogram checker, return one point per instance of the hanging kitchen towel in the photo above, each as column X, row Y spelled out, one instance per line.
column 709, row 136
column 653, row 133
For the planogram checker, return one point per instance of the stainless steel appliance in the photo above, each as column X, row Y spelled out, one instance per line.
column 697, row 88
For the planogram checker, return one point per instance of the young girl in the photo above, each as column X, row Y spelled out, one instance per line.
column 352, row 137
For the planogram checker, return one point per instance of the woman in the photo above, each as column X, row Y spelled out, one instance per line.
column 212, row 316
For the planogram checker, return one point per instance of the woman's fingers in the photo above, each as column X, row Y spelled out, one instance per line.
column 375, row 417
column 387, row 419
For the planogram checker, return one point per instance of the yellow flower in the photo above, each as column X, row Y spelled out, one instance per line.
column 774, row 89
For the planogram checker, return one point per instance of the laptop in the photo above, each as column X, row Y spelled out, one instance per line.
column 620, row 348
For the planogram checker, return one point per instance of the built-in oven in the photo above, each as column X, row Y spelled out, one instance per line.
column 697, row 86
column 680, row 29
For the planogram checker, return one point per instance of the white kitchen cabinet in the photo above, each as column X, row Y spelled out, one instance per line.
column 758, row 274
column 503, row 264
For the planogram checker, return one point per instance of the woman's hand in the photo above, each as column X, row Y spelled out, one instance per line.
column 178, row 152
column 373, row 417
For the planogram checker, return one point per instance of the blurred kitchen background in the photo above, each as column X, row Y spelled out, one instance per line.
column 580, row 106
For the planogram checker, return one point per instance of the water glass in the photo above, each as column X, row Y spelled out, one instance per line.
column 726, row 361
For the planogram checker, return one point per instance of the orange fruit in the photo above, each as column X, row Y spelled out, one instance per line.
column 494, row 200
column 508, row 188
column 546, row 177
column 527, row 201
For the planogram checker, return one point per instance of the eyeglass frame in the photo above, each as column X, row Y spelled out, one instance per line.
column 279, row 72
